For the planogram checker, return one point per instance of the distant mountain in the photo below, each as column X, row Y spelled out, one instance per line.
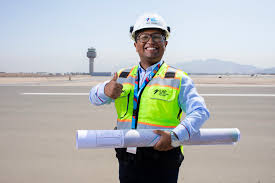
column 269, row 70
column 215, row 66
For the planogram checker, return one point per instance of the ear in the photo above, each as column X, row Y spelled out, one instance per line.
column 135, row 44
column 165, row 43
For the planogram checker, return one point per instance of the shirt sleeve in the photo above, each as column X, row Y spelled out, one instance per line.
column 194, row 106
column 97, row 95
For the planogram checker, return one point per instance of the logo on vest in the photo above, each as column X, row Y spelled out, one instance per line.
column 160, row 92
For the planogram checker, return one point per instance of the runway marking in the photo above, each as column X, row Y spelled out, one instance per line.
column 205, row 95
column 70, row 94
column 235, row 85
column 238, row 95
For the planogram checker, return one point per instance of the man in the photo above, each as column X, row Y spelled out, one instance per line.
column 152, row 95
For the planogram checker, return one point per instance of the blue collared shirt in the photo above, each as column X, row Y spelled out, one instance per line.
column 189, row 100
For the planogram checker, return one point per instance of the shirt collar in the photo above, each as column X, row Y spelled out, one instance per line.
column 149, row 69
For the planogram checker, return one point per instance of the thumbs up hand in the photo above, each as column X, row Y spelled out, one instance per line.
column 113, row 89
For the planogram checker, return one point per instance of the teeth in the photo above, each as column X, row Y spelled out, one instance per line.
column 150, row 48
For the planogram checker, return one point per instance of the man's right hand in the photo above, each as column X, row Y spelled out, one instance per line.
column 113, row 89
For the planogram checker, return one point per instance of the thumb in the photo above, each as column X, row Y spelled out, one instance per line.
column 159, row 132
column 115, row 77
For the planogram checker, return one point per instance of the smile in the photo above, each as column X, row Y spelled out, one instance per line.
column 150, row 48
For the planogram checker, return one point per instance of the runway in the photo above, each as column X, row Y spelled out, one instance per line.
column 38, row 125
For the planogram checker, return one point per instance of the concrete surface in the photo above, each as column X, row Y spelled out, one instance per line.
column 37, row 137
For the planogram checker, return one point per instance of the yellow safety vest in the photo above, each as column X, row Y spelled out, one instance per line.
column 158, row 107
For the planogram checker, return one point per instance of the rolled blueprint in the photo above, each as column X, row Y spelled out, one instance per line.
column 147, row 138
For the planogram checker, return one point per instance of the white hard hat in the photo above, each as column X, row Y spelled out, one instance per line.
column 147, row 21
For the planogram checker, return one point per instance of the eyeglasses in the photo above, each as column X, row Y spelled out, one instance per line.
column 144, row 38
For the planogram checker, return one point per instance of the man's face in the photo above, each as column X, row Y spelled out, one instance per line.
column 152, row 50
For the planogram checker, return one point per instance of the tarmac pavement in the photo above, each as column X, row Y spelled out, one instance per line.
column 37, row 137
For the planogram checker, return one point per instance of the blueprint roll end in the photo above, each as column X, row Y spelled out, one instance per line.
column 237, row 135
column 76, row 140
column 80, row 138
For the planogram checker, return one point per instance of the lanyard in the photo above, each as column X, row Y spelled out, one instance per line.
column 137, row 92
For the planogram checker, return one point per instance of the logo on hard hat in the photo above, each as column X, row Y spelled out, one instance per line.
column 151, row 21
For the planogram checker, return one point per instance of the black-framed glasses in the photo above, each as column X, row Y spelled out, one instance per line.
column 144, row 38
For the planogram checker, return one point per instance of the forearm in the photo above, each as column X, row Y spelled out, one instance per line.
column 194, row 107
column 191, row 124
column 97, row 95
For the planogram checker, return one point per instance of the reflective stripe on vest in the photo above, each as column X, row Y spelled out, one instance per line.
column 158, row 107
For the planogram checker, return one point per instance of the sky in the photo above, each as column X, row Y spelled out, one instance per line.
column 54, row 35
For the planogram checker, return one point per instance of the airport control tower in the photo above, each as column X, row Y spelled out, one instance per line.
column 91, row 54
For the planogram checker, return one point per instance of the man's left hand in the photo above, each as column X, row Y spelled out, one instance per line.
column 164, row 144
